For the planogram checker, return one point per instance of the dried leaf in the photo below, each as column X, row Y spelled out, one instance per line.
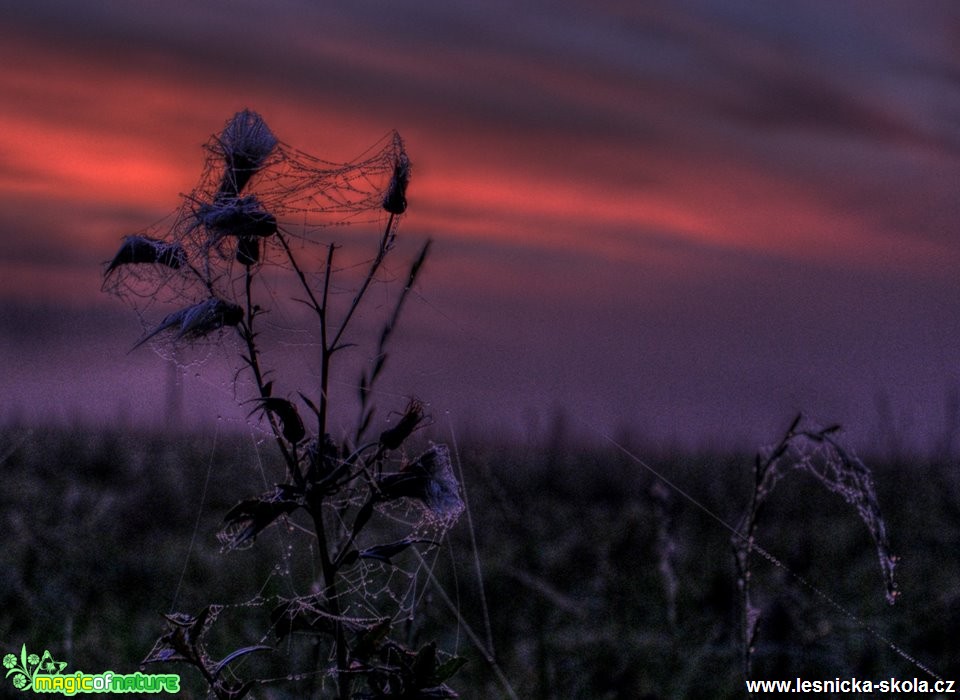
column 286, row 412
column 183, row 641
column 236, row 655
column 250, row 517
column 448, row 668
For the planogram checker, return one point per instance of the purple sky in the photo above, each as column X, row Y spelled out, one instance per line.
column 686, row 219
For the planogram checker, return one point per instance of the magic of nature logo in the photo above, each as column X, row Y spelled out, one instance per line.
column 44, row 674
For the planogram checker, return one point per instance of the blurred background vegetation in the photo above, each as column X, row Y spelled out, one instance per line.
column 598, row 581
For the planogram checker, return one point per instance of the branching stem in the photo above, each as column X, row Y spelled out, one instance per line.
column 249, row 337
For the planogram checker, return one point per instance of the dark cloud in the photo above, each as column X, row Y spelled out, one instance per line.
column 678, row 213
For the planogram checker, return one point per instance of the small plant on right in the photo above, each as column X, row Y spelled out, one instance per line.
column 817, row 452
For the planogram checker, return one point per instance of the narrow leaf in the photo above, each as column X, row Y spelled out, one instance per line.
column 237, row 654
column 448, row 668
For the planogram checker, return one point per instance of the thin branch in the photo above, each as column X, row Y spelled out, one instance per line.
column 325, row 351
column 371, row 273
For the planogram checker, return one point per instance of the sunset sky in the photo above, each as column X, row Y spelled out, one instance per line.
column 685, row 219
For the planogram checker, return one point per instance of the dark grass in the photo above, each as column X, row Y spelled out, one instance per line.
column 97, row 526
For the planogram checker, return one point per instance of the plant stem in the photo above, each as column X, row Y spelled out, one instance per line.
column 253, row 359
column 331, row 595
column 315, row 496
column 300, row 274
column 325, row 351
column 371, row 273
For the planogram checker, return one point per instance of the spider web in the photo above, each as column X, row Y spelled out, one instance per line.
column 258, row 203
column 261, row 217
column 383, row 587
column 243, row 215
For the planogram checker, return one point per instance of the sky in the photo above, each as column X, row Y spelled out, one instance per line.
column 686, row 220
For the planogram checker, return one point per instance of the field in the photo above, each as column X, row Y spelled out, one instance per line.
column 598, row 581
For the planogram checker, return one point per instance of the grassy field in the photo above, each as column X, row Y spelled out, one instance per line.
column 598, row 582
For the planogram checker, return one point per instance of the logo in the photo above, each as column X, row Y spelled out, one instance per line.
column 43, row 674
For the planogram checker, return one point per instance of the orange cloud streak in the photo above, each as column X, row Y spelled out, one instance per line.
column 94, row 134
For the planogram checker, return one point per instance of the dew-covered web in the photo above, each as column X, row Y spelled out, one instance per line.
column 258, row 201
column 816, row 452
column 810, row 449
column 260, row 270
column 382, row 582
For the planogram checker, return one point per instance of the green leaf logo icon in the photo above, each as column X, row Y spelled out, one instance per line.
column 26, row 668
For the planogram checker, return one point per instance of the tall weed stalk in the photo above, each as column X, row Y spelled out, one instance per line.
column 248, row 242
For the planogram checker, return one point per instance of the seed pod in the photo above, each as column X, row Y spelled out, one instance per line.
column 236, row 217
column 198, row 320
column 146, row 250
column 395, row 200
column 392, row 438
column 245, row 144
